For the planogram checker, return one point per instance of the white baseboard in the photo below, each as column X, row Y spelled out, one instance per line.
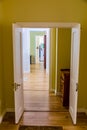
column 4, row 112
column 52, row 90
column 58, row 93
column 2, row 116
column 82, row 110
column 10, row 110
column 55, row 92
column 86, row 111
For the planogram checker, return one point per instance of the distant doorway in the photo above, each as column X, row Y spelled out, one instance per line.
column 35, row 53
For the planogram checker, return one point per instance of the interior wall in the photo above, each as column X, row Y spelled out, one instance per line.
column 0, row 62
column 64, row 50
column 43, row 11
column 52, row 58
column 32, row 41
column 2, row 100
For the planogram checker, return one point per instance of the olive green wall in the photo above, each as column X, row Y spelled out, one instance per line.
column 0, row 60
column 33, row 34
column 41, row 11
column 52, row 58
column 2, row 101
column 64, row 50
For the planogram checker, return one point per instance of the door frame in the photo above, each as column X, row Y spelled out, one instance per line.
column 49, row 25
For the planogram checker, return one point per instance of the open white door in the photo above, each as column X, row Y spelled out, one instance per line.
column 18, row 78
column 74, row 71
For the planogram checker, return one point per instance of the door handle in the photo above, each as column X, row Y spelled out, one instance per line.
column 16, row 86
column 76, row 86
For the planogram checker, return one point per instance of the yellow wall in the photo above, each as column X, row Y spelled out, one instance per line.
column 52, row 57
column 49, row 11
column 64, row 48
column 0, row 64
column 2, row 101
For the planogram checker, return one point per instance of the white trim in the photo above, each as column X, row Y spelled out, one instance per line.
column 56, row 68
column 52, row 90
column 38, row 29
column 2, row 116
column 10, row 110
column 47, row 50
column 86, row 111
column 4, row 112
column 55, row 91
column 58, row 93
column 47, row 24
column 82, row 110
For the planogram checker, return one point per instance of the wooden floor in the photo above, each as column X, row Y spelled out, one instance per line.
column 36, row 91
column 42, row 107
column 49, row 119
column 42, row 101
column 37, row 79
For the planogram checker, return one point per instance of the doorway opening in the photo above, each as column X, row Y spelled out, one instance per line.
column 53, row 67
column 36, row 44
column 36, row 47
column 35, row 50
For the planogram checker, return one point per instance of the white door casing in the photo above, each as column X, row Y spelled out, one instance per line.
column 18, row 75
column 47, row 50
column 56, row 65
column 74, row 71
column 50, row 25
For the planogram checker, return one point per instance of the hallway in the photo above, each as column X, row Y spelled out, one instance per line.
column 37, row 79
column 43, row 108
column 36, row 91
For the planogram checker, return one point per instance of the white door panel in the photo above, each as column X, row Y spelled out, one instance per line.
column 75, row 44
column 18, row 77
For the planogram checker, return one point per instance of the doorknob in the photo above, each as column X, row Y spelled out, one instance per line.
column 16, row 85
column 76, row 86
